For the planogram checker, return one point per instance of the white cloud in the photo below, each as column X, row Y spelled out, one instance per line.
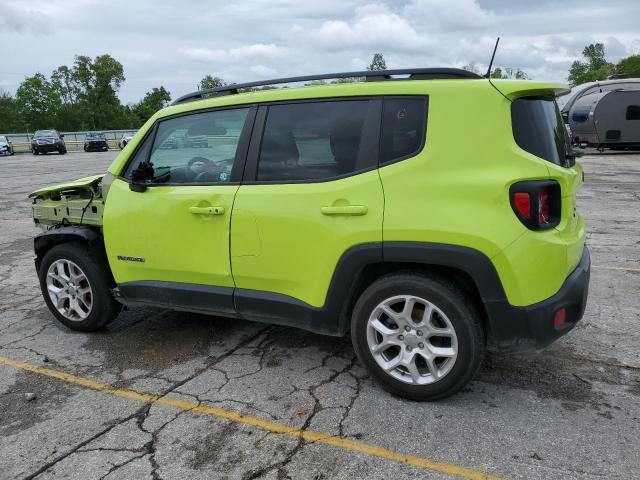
column 25, row 20
column 244, row 52
column 175, row 44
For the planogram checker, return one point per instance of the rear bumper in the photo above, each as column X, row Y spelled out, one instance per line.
column 532, row 327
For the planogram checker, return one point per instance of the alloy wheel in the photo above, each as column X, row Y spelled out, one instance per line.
column 412, row 339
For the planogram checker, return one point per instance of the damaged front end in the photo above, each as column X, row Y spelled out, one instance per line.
column 80, row 202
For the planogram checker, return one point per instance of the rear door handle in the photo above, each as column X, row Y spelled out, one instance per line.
column 215, row 210
column 345, row 210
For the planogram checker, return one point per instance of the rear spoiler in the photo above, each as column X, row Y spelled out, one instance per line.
column 513, row 89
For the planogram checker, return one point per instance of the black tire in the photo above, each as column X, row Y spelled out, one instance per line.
column 34, row 151
column 86, row 149
column 453, row 302
column 104, row 308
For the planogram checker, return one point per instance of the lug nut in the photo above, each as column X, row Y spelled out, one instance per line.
column 409, row 348
column 407, row 328
column 421, row 345
column 419, row 333
column 400, row 337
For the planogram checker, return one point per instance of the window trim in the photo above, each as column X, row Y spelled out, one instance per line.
column 424, row 130
column 241, row 150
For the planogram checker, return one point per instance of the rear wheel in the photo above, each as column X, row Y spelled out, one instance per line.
column 419, row 336
column 34, row 151
column 76, row 287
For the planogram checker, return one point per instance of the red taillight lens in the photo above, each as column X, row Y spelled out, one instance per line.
column 522, row 201
column 536, row 203
column 543, row 206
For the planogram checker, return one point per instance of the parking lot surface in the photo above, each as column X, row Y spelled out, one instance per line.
column 166, row 395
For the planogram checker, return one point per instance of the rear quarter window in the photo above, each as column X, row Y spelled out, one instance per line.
column 404, row 122
column 538, row 128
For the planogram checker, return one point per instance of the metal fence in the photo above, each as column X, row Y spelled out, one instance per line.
column 74, row 140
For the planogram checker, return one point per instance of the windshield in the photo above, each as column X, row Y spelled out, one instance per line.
column 46, row 133
column 3, row 139
column 538, row 128
column 96, row 136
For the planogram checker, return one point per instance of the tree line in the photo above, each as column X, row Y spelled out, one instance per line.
column 85, row 96
column 77, row 98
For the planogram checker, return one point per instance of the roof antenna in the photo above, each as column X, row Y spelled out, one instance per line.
column 488, row 74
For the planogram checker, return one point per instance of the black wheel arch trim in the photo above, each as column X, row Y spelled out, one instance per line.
column 44, row 241
column 333, row 318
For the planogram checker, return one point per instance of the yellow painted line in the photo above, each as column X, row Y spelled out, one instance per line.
column 310, row 436
column 612, row 267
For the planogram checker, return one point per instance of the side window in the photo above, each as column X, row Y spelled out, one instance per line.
column 314, row 141
column 199, row 148
column 404, row 122
column 633, row 112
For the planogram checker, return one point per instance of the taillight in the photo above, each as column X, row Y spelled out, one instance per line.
column 536, row 203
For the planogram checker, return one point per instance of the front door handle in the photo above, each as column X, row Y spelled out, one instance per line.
column 216, row 210
column 345, row 210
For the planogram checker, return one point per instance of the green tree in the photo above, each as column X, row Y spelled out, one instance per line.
column 629, row 66
column 153, row 101
column 510, row 73
column 211, row 82
column 594, row 68
column 10, row 118
column 37, row 102
column 377, row 62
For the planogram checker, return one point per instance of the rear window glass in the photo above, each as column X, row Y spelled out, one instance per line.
column 538, row 128
column 403, row 127
column 313, row 141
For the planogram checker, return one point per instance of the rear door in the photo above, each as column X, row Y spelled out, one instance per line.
column 173, row 237
column 311, row 192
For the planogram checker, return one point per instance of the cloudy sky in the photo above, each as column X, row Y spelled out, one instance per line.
column 175, row 43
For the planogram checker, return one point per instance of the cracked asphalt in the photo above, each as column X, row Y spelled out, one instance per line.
column 572, row 411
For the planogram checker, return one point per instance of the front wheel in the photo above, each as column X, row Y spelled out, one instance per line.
column 420, row 336
column 76, row 287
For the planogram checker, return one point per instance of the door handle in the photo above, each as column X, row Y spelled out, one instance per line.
column 345, row 210
column 216, row 210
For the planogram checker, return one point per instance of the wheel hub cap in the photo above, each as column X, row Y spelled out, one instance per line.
column 412, row 339
column 69, row 290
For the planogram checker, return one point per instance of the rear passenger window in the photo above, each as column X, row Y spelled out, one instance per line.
column 315, row 141
column 633, row 112
column 403, row 127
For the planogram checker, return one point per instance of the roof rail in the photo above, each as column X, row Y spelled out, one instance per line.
column 369, row 75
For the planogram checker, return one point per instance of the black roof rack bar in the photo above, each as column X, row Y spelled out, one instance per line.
column 369, row 75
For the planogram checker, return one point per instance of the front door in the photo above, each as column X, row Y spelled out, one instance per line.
column 173, row 237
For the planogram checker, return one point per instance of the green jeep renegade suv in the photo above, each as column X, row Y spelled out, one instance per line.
column 431, row 216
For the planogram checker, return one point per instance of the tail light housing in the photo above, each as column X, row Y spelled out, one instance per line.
column 536, row 203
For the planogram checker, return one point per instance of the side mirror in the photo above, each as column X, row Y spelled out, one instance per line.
column 137, row 187
column 62, row 135
column 140, row 176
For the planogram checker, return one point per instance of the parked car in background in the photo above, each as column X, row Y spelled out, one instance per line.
column 5, row 146
column 196, row 141
column 169, row 144
column 95, row 142
column 126, row 138
column 44, row 141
